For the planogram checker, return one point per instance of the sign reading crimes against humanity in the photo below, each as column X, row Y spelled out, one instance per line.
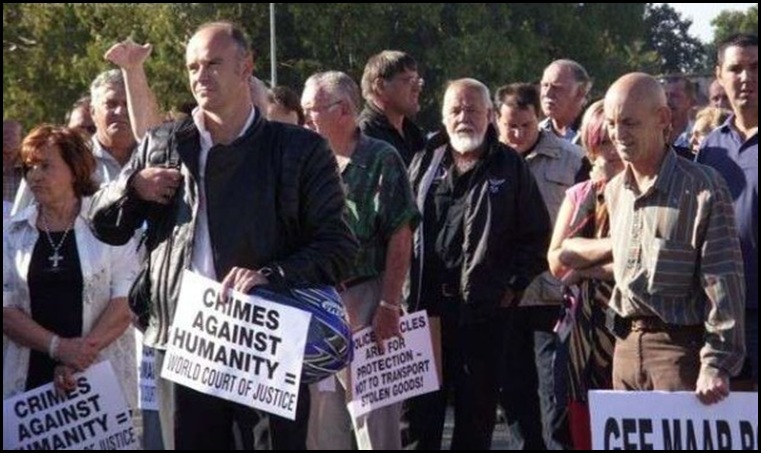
column 672, row 421
column 406, row 369
column 242, row 349
column 94, row 416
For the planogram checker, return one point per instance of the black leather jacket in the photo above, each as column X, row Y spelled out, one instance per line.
column 274, row 198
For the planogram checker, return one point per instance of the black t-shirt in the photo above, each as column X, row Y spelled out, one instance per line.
column 56, row 298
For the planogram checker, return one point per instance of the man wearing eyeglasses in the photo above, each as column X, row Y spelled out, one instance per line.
column 391, row 87
column 382, row 215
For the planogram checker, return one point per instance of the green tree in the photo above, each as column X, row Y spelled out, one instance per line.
column 728, row 23
column 52, row 52
column 667, row 33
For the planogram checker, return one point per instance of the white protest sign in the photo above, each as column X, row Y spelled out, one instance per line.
column 147, row 389
column 406, row 369
column 95, row 416
column 244, row 349
column 672, row 421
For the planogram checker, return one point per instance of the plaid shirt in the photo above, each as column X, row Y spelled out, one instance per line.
column 676, row 255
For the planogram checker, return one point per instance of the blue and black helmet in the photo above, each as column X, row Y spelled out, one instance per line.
column 329, row 342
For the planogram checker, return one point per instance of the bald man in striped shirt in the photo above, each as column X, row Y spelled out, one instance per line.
column 679, row 293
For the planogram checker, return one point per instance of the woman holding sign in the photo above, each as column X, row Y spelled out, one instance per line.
column 64, row 292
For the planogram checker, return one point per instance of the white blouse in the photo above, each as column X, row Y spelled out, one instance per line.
column 107, row 274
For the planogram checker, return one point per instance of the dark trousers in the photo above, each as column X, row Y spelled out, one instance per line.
column 203, row 422
column 658, row 360
column 534, row 391
column 470, row 356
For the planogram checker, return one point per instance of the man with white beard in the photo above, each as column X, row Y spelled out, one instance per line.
column 484, row 233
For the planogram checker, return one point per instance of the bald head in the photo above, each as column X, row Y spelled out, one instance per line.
column 639, row 87
column 638, row 118
column 219, row 66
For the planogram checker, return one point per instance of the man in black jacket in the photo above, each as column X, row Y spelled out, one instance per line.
column 230, row 196
column 484, row 237
column 391, row 87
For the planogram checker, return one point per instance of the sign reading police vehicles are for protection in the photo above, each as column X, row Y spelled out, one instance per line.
column 406, row 369
column 672, row 421
column 94, row 416
column 242, row 349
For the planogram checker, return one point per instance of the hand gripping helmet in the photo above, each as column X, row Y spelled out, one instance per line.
column 329, row 345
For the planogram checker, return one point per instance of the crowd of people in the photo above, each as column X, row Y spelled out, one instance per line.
column 635, row 213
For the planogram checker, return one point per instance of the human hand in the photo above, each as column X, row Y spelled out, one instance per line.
column 386, row 324
column 77, row 353
column 242, row 280
column 128, row 54
column 63, row 379
column 712, row 386
column 156, row 184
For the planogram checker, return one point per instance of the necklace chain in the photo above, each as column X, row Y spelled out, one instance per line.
column 56, row 257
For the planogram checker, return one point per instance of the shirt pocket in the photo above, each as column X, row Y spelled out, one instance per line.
column 557, row 180
column 671, row 270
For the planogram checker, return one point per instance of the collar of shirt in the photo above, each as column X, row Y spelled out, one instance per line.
column 571, row 132
column 101, row 153
column 546, row 145
column 205, row 136
column 662, row 179
column 729, row 128
column 360, row 157
column 30, row 214
column 683, row 139
column 376, row 116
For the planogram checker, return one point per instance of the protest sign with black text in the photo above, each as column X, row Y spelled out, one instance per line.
column 672, row 421
column 94, row 416
column 406, row 369
column 241, row 348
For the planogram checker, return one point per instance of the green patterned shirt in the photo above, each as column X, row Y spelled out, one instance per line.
column 379, row 201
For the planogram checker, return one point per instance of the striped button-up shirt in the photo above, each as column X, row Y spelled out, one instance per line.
column 676, row 255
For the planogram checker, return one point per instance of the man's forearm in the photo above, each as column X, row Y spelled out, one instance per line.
column 398, row 258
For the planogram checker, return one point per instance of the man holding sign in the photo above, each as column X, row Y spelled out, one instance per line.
column 234, row 198
column 680, row 289
column 382, row 214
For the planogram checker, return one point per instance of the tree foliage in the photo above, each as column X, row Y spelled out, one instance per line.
column 668, row 36
column 51, row 52
column 728, row 23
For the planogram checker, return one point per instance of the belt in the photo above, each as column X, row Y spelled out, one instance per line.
column 622, row 327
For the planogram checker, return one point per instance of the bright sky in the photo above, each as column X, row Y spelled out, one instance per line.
column 702, row 14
